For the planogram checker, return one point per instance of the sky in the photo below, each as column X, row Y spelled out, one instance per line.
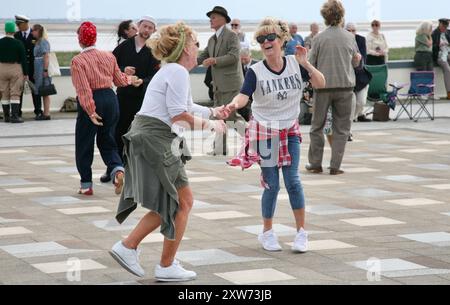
column 289, row 10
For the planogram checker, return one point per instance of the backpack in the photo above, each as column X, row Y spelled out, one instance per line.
column 70, row 105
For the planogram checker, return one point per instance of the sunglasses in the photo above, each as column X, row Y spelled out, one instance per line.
column 270, row 37
column 235, row 25
column 375, row 25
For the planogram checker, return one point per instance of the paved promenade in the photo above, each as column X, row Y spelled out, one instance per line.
column 389, row 214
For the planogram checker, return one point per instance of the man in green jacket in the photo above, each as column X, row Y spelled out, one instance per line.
column 13, row 68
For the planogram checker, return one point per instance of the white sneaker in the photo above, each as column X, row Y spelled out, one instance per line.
column 269, row 241
column 174, row 273
column 301, row 242
column 127, row 258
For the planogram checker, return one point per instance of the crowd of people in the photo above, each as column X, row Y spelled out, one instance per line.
column 140, row 128
column 24, row 63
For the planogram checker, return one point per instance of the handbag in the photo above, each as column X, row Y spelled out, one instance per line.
column 363, row 78
column 53, row 65
column 381, row 112
column 47, row 88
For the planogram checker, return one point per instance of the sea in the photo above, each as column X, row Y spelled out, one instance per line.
column 66, row 40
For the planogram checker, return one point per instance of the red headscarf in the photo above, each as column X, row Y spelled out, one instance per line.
column 87, row 34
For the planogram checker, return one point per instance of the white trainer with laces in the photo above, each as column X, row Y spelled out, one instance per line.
column 127, row 258
column 174, row 273
column 269, row 241
column 301, row 242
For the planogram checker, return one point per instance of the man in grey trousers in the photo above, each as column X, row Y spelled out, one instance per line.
column 222, row 55
column 335, row 53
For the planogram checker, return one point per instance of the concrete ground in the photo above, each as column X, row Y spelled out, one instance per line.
column 386, row 221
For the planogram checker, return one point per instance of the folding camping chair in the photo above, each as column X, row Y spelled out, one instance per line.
column 377, row 88
column 421, row 91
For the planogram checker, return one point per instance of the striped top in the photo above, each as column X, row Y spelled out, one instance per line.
column 92, row 70
column 276, row 95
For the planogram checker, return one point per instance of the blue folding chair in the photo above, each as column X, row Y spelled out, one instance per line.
column 421, row 92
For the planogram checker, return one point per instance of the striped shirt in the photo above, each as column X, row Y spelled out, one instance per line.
column 92, row 70
column 276, row 95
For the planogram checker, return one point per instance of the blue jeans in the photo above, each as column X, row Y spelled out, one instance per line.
column 268, row 151
column 107, row 107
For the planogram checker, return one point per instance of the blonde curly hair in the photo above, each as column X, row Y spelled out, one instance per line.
column 333, row 12
column 272, row 25
column 168, row 41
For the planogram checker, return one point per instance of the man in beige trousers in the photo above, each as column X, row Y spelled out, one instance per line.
column 335, row 53
column 222, row 55
column 13, row 67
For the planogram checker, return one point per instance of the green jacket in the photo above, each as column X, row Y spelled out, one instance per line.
column 151, row 169
column 12, row 51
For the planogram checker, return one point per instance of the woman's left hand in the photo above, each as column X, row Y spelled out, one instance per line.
column 45, row 74
column 301, row 55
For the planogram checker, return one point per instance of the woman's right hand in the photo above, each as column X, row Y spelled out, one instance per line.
column 231, row 108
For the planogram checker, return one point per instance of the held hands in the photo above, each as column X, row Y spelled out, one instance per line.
column 301, row 55
column 230, row 108
column 209, row 62
column 96, row 119
column 221, row 113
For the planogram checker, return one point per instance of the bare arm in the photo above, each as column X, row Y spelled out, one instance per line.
column 240, row 101
column 317, row 78
column 190, row 122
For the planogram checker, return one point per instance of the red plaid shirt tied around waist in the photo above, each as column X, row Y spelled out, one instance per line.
column 256, row 132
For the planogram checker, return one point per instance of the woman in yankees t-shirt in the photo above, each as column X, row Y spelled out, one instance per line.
column 273, row 138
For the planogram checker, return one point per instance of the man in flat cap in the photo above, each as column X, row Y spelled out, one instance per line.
column 222, row 55
column 25, row 36
column 441, row 50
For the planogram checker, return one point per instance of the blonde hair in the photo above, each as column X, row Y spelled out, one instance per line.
column 333, row 13
column 169, row 40
column 272, row 25
column 42, row 31
column 424, row 28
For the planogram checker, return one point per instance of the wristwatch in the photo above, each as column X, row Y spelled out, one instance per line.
column 45, row 70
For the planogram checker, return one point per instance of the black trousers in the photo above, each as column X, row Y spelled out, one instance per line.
column 37, row 102
column 375, row 60
column 86, row 132
column 128, row 106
